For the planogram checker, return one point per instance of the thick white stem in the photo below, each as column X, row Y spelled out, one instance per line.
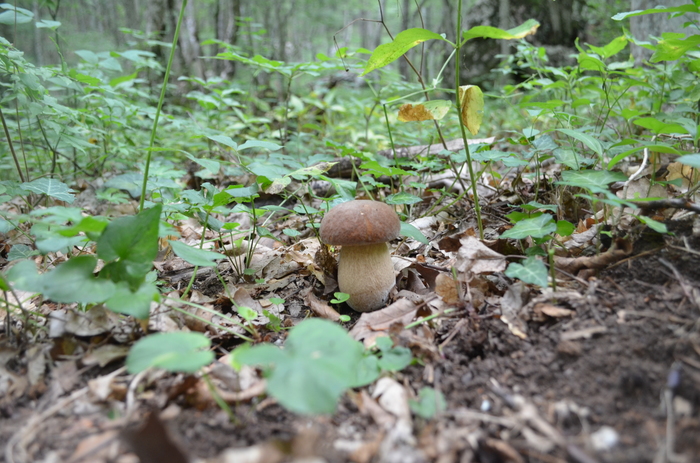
column 367, row 275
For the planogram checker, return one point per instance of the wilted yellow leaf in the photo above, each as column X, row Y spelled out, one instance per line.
column 472, row 104
column 428, row 111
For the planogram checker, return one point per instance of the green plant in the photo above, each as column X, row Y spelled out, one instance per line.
column 319, row 362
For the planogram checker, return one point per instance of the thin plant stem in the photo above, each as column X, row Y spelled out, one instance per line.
column 160, row 105
column 12, row 148
column 477, row 207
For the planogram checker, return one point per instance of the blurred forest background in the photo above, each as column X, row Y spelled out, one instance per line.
column 297, row 30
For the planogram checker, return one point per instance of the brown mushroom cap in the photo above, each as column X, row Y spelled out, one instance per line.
column 360, row 222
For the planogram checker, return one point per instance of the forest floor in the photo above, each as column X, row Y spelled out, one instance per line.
column 583, row 374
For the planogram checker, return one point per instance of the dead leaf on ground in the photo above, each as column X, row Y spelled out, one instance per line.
column 374, row 324
column 448, row 289
column 321, row 308
column 476, row 258
column 543, row 310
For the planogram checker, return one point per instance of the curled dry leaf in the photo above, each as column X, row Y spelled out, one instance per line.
column 476, row 258
column 374, row 324
column 321, row 308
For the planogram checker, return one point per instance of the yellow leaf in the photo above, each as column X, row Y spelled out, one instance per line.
column 472, row 103
column 428, row 111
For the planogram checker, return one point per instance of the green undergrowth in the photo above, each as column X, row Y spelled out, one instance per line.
column 98, row 122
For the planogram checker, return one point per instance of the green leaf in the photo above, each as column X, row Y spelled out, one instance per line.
column 224, row 140
column 318, row 363
column 531, row 271
column 591, row 179
column 565, row 228
column 402, row 198
column 404, row 41
column 658, row 127
column 50, row 187
column 692, row 160
column 592, row 143
column 133, row 238
column 71, row 281
column 260, row 144
column 611, row 49
column 655, row 225
column 14, row 15
column 176, row 351
column 430, row 402
column 21, row 251
column 529, row 27
column 412, row 232
column 537, row 228
column 194, row 256
column 120, row 80
column 395, row 359
column 689, row 8
column 135, row 303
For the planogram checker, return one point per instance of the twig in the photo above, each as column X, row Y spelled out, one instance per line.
column 676, row 203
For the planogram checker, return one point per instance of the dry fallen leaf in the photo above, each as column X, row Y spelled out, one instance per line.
column 475, row 257
column 374, row 324
column 321, row 308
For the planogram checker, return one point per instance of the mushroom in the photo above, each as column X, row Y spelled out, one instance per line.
column 365, row 271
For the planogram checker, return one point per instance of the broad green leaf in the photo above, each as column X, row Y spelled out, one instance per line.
column 565, row 228
column 689, row 8
column 88, row 225
column 176, row 351
column 534, row 205
column 14, row 15
column 71, row 281
column 651, row 147
column 260, row 144
column 135, row 303
column 395, row 359
column 133, row 238
column 430, row 403
column 592, row 143
column 655, row 225
column 529, row 27
column 120, row 80
column 591, row 179
column 195, row 256
column 21, row 251
column 224, row 140
column 611, row 49
column 318, row 363
column 50, row 187
column 531, row 271
column 404, row 41
column 377, row 169
column 412, row 232
column 537, row 228
column 402, row 198
column 209, row 164
column 658, row 127
column 692, row 160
